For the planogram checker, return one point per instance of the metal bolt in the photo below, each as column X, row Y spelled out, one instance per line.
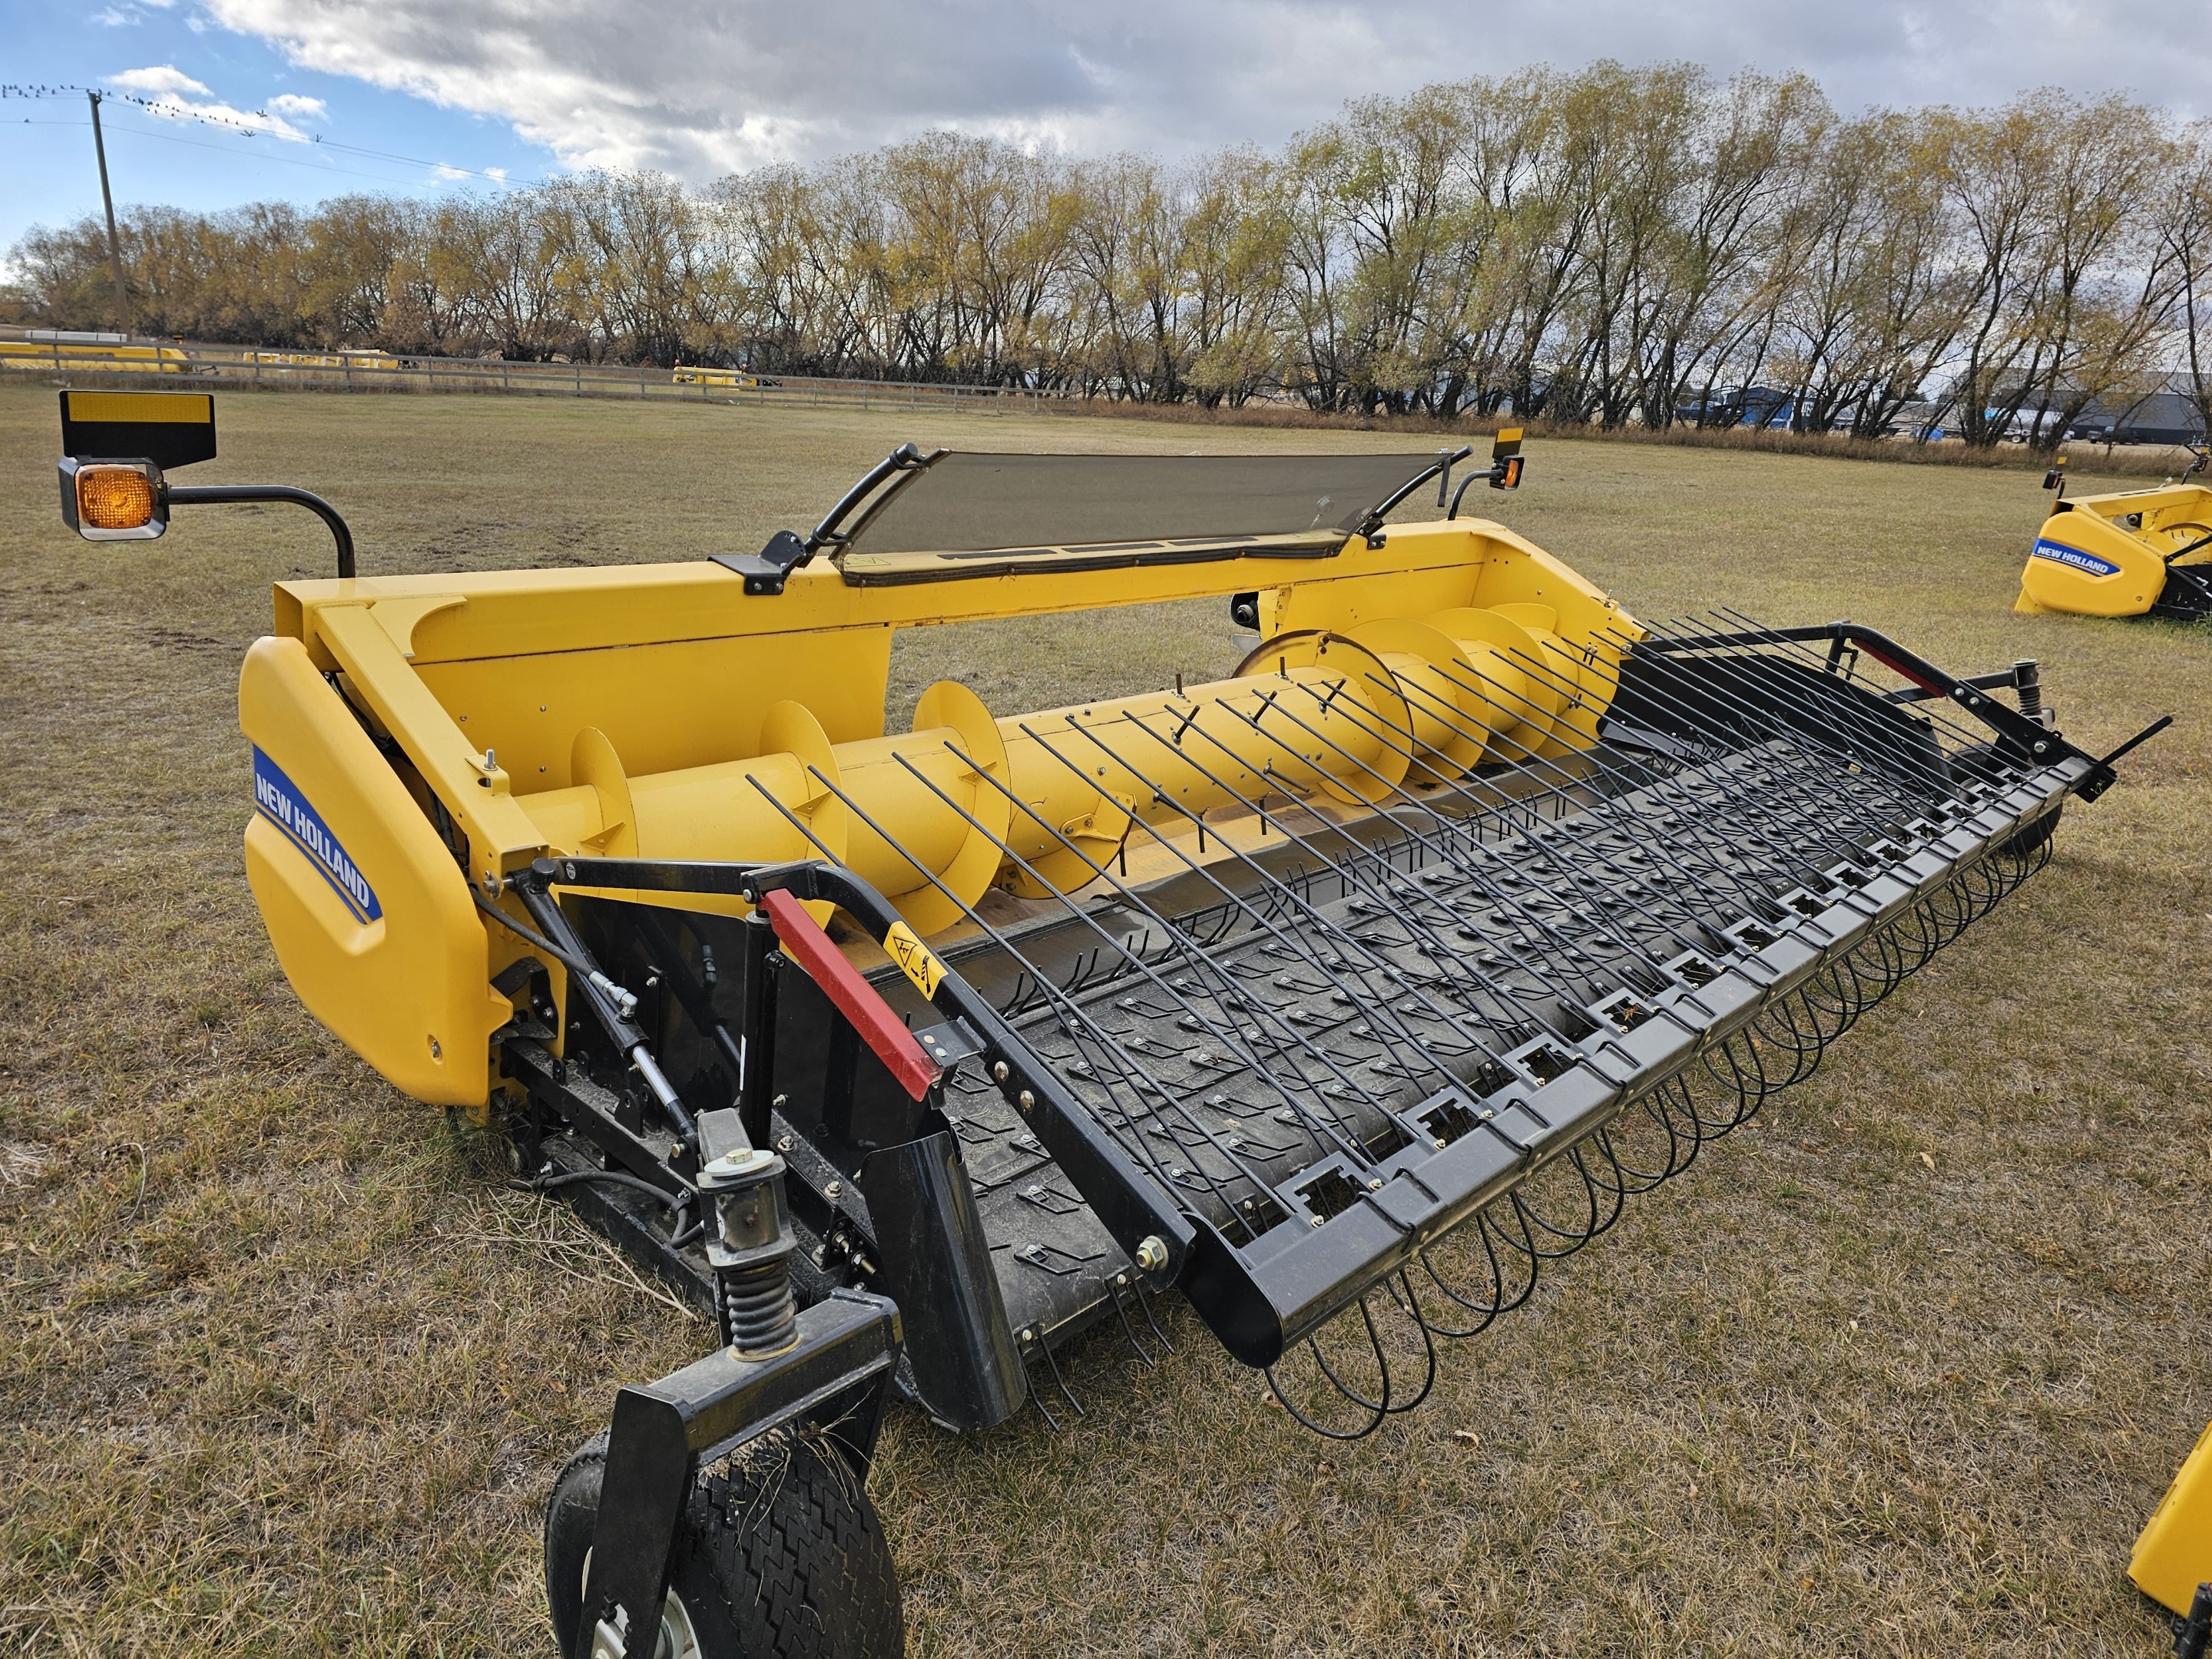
column 676, row 1149
column 1151, row 1254
column 1025, row 1100
column 1374, row 1186
column 1317, row 1221
column 781, row 1101
column 833, row 1189
column 784, row 1145
column 1001, row 1072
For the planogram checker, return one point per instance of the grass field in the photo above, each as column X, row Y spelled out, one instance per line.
column 284, row 1368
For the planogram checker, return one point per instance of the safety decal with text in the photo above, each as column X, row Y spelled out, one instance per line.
column 914, row 958
column 2073, row 558
column 278, row 800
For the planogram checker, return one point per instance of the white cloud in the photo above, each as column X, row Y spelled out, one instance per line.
column 701, row 87
column 297, row 107
column 162, row 78
column 166, row 91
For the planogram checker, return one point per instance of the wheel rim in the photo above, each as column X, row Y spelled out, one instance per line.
column 679, row 1639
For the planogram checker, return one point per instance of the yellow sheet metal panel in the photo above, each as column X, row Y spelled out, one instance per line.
column 369, row 913
column 2174, row 1554
column 1518, row 572
column 685, row 703
column 1436, row 568
column 2083, row 562
column 475, row 787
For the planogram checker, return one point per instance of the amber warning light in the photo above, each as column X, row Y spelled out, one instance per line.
column 114, row 497
column 114, row 500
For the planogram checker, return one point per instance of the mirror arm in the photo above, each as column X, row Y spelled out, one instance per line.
column 200, row 495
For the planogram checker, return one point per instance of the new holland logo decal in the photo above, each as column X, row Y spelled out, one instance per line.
column 278, row 800
column 2073, row 558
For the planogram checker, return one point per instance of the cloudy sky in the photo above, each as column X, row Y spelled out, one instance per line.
column 308, row 99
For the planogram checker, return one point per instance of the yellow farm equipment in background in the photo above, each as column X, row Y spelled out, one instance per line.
column 2131, row 553
column 736, row 379
column 105, row 354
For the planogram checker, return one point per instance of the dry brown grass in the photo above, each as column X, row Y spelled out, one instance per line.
column 306, row 1393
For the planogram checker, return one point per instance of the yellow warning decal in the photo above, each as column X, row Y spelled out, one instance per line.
column 914, row 958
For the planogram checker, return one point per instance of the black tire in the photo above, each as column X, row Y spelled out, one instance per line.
column 780, row 1556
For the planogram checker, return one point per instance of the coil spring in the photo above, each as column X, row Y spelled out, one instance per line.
column 755, row 1307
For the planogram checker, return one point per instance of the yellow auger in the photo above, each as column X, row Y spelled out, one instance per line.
column 1360, row 983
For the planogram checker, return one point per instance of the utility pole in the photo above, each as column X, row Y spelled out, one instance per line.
column 107, row 201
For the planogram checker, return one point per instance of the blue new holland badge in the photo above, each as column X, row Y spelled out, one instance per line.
column 2073, row 558
column 278, row 800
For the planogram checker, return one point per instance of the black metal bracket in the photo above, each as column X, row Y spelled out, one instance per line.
column 766, row 571
column 590, row 1111
column 1134, row 1208
column 2026, row 737
column 2021, row 677
column 840, row 1373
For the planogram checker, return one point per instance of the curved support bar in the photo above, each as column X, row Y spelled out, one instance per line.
column 907, row 457
column 203, row 495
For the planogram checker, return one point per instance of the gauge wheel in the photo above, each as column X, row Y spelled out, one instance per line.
column 780, row 1556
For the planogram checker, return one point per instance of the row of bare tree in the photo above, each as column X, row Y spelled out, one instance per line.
column 1614, row 246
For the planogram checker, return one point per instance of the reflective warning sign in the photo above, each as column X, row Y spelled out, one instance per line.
column 914, row 958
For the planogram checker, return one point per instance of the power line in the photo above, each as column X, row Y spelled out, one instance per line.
column 120, row 127
column 170, row 112
column 414, row 161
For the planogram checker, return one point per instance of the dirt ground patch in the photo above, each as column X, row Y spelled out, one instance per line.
column 285, row 1370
